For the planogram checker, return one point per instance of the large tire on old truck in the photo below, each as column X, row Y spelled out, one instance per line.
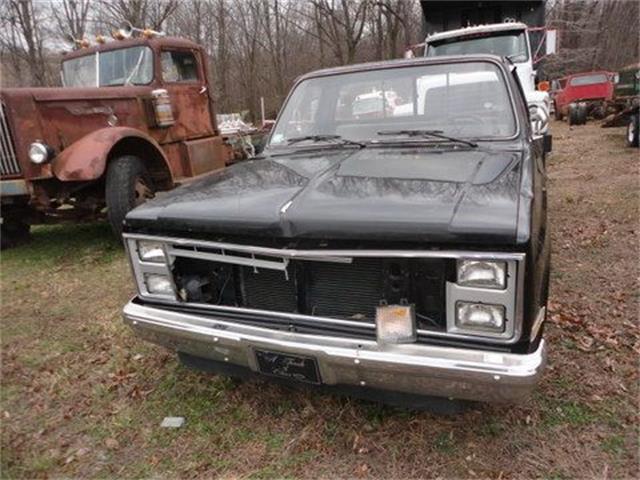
column 128, row 185
column 577, row 114
column 572, row 114
column 583, row 113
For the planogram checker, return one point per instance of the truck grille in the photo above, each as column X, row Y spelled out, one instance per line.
column 325, row 289
column 8, row 160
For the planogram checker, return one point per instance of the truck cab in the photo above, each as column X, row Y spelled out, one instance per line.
column 134, row 116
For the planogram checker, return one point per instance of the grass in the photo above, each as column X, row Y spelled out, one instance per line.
column 80, row 396
column 613, row 444
column 573, row 414
column 57, row 245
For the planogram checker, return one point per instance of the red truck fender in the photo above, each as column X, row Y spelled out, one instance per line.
column 87, row 158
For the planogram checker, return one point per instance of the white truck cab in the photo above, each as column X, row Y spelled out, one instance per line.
column 508, row 39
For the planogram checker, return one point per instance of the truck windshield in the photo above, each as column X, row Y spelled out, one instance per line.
column 512, row 44
column 126, row 66
column 465, row 100
column 588, row 79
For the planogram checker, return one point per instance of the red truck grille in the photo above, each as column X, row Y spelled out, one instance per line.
column 9, row 164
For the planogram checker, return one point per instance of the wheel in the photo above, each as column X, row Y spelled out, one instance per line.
column 14, row 232
column 582, row 114
column 128, row 185
column 632, row 130
column 557, row 113
column 577, row 114
column 573, row 114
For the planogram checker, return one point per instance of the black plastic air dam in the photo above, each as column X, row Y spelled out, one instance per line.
column 438, row 405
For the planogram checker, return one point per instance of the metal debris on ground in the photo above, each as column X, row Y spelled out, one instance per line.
column 172, row 422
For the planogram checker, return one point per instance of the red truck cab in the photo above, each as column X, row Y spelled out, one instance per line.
column 585, row 93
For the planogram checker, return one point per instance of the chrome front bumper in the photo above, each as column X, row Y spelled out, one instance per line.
column 414, row 369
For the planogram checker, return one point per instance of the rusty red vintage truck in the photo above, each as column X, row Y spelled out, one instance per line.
column 134, row 116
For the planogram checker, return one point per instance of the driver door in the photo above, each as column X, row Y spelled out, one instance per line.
column 183, row 77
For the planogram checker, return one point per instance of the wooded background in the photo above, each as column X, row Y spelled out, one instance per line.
column 257, row 48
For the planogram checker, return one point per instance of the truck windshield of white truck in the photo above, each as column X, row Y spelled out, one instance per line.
column 511, row 44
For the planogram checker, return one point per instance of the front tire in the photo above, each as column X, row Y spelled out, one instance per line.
column 577, row 114
column 582, row 114
column 128, row 185
column 632, row 130
column 573, row 114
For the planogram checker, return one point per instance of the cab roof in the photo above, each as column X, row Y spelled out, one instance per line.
column 154, row 43
column 476, row 29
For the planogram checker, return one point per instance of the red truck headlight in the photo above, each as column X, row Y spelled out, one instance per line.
column 40, row 153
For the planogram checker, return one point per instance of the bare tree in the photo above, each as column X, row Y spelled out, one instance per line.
column 341, row 23
column 21, row 38
column 140, row 13
column 394, row 13
column 594, row 34
column 276, row 31
column 71, row 18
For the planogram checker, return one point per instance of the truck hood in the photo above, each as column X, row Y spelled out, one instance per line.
column 60, row 116
column 402, row 194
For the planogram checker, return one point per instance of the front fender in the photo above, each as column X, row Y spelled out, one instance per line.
column 86, row 159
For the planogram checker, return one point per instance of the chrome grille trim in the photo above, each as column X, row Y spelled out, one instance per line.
column 9, row 164
column 326, row 254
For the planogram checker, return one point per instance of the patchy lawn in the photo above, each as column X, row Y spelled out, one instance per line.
column 81, row 397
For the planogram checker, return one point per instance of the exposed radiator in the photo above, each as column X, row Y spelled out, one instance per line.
column 349, row 291
column 9, row 164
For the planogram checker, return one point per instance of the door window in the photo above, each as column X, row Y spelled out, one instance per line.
column 179, row 66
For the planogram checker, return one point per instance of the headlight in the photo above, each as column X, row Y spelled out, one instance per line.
column 151, row 251
column 39, row 153
column 480, row 316
column 158, row 284
column 482, row 274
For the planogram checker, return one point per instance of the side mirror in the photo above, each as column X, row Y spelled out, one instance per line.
column 551, row 41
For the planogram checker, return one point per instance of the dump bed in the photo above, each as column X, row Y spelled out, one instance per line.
column 440, row 16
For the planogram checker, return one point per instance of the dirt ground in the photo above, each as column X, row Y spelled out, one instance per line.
column 82, row 397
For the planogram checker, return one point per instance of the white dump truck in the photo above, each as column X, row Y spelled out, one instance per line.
column 515, row 31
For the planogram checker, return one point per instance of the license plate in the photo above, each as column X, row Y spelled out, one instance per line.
column 291, row 367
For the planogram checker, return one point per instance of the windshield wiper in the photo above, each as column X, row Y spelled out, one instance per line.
column 428, row 133
column 325, row 138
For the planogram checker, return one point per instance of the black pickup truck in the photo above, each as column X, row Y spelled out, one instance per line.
column 390, row 241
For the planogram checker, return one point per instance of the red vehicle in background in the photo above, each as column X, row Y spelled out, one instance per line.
column 582, row 95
